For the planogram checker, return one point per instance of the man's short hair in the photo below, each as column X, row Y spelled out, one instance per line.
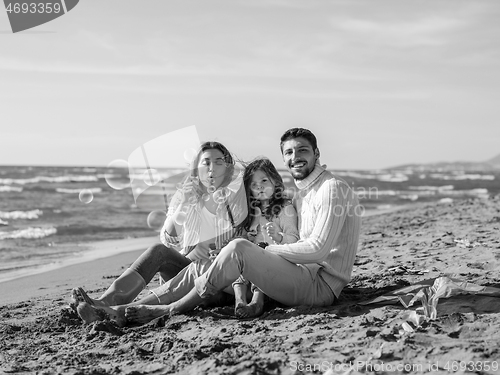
column 296, row 133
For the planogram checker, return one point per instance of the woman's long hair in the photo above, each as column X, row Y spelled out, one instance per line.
column 277, row 200
column 228, row 158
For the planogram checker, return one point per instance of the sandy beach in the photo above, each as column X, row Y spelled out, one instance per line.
column 39, row 334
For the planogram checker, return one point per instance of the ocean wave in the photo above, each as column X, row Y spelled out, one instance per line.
column 412, row 197
column 163, row 189
column 386, row 192
column 79, row 230
column 445, row 201
column 478, row 192
column 416, row 192
column 30, row 215
column 31, row 232
column 3, row 222
column 432, row 188
column 459, row 177
column 58, row 179
column 368, row 176
column 136, row 173
column 4, row 189
column 384, row 206
column 77, row 191
column 393, row 177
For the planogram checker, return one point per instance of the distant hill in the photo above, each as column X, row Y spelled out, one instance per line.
column 492, row 164
column 495, row 162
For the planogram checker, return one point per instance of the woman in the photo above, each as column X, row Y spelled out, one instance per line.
column 201, row 217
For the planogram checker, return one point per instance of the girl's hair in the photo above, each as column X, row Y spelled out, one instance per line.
column 228, row 158
column 277, row 200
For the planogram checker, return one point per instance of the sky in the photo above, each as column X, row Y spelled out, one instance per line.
column 380, row 82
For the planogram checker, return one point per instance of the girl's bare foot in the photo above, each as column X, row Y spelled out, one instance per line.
column 145, row 313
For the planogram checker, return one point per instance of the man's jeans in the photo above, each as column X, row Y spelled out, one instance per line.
column 286, row 282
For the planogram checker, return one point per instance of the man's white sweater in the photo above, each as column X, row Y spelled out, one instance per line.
column 329, row 224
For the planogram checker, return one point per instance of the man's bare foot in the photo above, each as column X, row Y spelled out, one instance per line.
column 89, row 313
column 78, row 295
column 240, row 299
column 254, row 309
column 240, row 308
column 145, row 313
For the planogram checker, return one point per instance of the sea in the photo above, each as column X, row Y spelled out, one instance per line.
column 51, row 214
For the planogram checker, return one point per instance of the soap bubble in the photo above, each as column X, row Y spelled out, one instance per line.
column 156, row 219
column 193, row 200
column 151, row 177
column 189, row 154
column 257, row 212
column 211, row 189
column 289, row 193
column 86, row 196
column 205, row 197
column 117, row 175
column 181, row 218
column 220, row 196
column 224, row 225
column 237, row 170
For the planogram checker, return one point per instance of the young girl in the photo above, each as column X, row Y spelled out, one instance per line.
column 271, row 220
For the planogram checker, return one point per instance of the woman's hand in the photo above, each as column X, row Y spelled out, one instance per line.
column 252, row 234
column 272, row 231
column 191, row 188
